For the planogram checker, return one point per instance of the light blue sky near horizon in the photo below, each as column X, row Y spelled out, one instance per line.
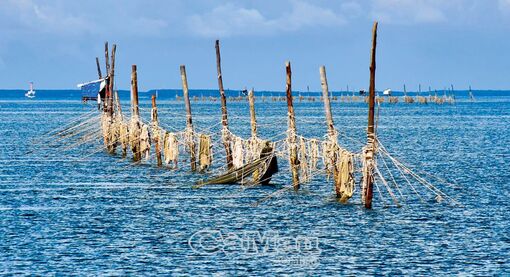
column 429, row 42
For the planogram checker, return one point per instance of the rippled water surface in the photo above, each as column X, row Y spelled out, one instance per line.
column 84, row 211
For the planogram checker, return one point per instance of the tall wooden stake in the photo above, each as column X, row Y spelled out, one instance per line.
column 327, row 104
column 134, row 93
column 104, row 101
column 253, row 120
column 106, row 57
column 111, row 74
column 370, row 150
column 156, row 132
column 224, row 118
column 135, row 117
column 98, row 68
column 189, row 121
column 253, row 124
column 332, row 136
column 294, row 163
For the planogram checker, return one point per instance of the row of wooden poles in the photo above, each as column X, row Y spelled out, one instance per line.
column 434, row 99
column 368, row 150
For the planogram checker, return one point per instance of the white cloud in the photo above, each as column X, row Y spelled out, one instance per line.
column 30, row 15
column 230, row 20
column 304, row 14
column 69, row 18
column 351, row 9
column 142, row 26
column 410, row 11
column 504, row 5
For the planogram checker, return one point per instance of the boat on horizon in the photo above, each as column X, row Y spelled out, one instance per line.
column 30, row 93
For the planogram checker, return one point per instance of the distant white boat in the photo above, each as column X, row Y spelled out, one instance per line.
column 31, row 92
column 387, row 92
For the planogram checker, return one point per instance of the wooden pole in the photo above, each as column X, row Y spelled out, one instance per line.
column 253, row 120
column 134, row 128
column 134, row 93
column 98, row 68
column 124, row 129
column 156, row 131
column 331, row 127
column 109, row 98
column 327, row 104
column 106, row 57
column 104, row 101
column 189, row 121
column 224, row 118
column 294, row 163
column 111, row 74
column 369, row 155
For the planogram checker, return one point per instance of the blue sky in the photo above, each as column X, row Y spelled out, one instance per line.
column 433, row 42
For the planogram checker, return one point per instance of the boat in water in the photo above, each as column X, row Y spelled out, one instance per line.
column 31, row 92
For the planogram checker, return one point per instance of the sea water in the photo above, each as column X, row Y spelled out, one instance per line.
column 83, row 211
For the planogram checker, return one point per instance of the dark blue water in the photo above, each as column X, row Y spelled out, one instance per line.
column 84, row 211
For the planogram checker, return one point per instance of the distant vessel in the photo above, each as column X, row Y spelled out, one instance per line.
column 31, row 92
column 387, row 92
column 471, row 96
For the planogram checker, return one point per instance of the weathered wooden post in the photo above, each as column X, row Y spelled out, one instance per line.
column 123, row 132
column 189, row 122
column 111, row 74
column 291, row 133
column 98, row 68
column 104, row 100
column 106, row 57
column 108, row 104
column 135, row 128
column 253, row 141
column 134, row 92
column 253, row 120
column 327, row 104
column 332, row 135
column 224, row 118
column 156, row 131
column 368, row 166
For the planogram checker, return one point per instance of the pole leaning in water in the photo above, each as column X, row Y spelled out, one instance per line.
column 106, row 57
column 224, row 118
column 189, row 120
column 327, row 104
column 100, row 75
column 291, row 133
column 368, row 168
column 332, row 136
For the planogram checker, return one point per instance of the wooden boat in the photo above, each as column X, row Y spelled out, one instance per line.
column 266, row 166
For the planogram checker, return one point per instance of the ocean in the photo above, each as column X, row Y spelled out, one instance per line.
column 78, row 210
